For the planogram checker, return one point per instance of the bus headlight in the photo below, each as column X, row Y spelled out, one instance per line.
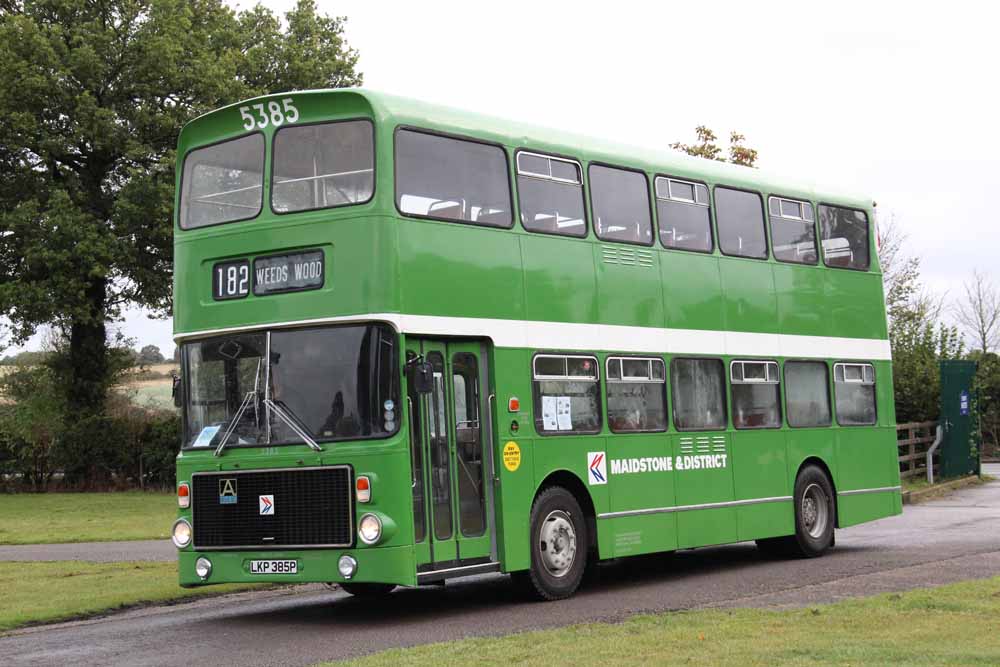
column 347, row 566
column 181, row 533
column 370, row 529
column 203, row 568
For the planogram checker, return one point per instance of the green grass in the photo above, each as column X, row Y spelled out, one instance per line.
column 953, row 625
column 45, row 518
column 59, row 590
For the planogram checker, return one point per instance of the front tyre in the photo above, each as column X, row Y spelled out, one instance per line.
column 366, row 590
column 815, row 512
column 558, row 545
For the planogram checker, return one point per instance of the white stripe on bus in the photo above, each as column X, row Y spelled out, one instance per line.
column 572, row 336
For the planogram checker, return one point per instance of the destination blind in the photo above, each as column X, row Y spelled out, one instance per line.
column 288, row 273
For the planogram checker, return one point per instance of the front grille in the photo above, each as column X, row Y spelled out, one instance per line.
column 311, row 508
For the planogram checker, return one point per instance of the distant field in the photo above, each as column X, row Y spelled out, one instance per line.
column 46, row 518
column 155, row 394
column 60, row 590
column 152, row 387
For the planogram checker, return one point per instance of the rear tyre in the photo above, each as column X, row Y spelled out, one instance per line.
column 559, row 545
column 815, row 516
column 365, row 590
column 815, row 513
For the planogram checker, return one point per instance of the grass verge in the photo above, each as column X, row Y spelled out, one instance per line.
column 47, row 518
column 951, row 625
column 59, row 590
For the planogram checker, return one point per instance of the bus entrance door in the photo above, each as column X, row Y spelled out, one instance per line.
column 450, row 450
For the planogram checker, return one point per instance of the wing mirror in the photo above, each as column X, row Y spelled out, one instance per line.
column 422, row 377
column 177, row 392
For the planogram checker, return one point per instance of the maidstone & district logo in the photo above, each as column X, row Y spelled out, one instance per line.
column 597, row 465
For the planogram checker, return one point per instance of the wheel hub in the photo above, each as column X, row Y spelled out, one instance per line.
column 557, row 543
column 815, row 510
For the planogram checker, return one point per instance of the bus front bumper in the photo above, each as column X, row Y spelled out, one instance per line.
column 387, row 565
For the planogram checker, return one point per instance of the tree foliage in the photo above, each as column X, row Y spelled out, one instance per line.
column 917, row 333
column 31, row 422
column 93, row 94
column 150, row 354
column 707, row 147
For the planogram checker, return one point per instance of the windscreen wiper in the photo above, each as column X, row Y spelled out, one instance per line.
column 251, row 396
column 287, row 418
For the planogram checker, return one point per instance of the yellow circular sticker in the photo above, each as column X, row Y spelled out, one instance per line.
column 511, row 456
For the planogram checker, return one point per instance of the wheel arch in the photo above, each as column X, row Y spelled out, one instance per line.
column 822, row 465
column 572, row 483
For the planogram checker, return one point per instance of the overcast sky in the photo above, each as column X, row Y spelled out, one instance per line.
column 899, row 101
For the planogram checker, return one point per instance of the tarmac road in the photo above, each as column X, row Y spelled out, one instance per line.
column 930, row 544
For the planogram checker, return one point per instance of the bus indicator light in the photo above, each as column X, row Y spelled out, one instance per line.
column 364, row 489
column 513, row 404
column 183, row 495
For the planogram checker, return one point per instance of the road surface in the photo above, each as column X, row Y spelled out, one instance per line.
column 938, row 542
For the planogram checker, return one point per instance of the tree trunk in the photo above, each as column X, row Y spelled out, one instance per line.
column 88, row 356
column 88, row 386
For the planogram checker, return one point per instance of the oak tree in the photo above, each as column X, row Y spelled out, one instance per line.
column 93, row 94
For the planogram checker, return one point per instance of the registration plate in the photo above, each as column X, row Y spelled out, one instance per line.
column 274, row 567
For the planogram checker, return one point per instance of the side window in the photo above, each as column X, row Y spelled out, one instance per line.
column 452, row 179
column 740, row 217
column 756, row 394
column 566, row 394
column 637, row 396
column 844, row 232
column 682, row 208
column 322, row 166
column 620, row 200
column 698, row 388
column 793, row 230
column 807, row 393
column 550, row 192
column 854, row 392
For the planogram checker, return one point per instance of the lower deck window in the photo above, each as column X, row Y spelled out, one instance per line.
column 566, row 394
column 807, row 393
column 698, row 388
column 756, row 399
column 854, row 391
column 637, row 398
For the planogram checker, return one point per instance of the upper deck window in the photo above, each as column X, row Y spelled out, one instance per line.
column 620, row 199
column 683, row 210
column 740, row 217
column 452, row 179
column 550, row 192
column 323, row 166
column 793, row 230
column 845, row 237
column 222, row 183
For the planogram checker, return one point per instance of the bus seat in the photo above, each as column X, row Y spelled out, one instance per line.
column 446, row 209
column 494, row 217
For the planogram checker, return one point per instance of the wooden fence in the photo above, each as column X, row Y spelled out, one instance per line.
column 913, row 441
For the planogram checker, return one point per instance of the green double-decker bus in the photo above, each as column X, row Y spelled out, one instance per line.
column 419, row 344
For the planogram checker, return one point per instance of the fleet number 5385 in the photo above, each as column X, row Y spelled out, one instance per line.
column 273, row 114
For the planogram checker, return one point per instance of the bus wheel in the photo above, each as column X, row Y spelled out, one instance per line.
column 365, row 590
column 558, row 544
column 814, row 512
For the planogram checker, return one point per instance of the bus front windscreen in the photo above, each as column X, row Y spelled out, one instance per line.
column 332, row 383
